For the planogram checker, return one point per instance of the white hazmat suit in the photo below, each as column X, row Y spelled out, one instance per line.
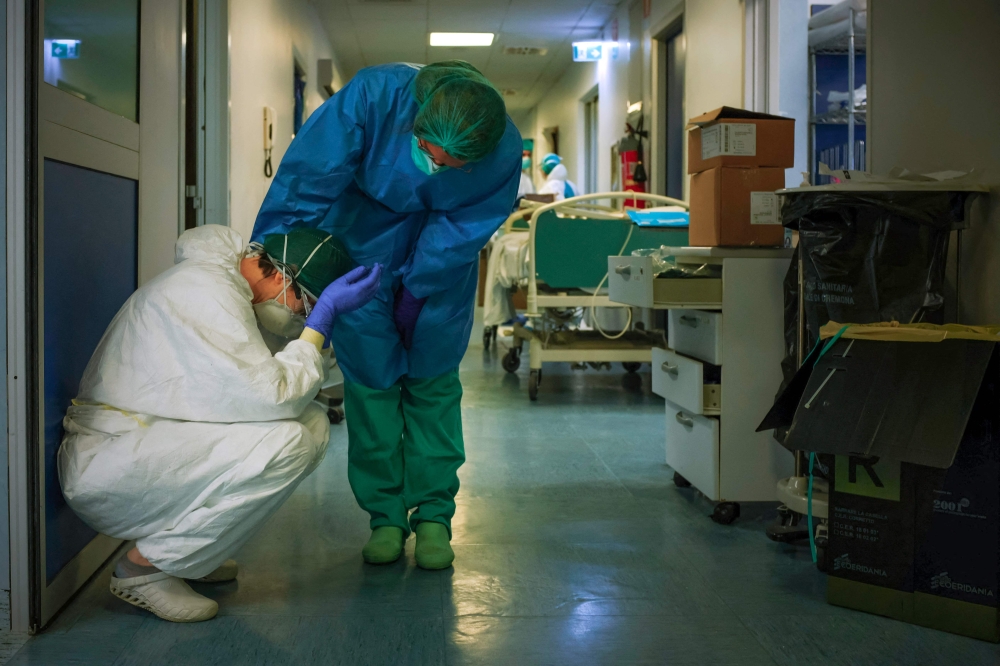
column 556, row 182
column 188, row 433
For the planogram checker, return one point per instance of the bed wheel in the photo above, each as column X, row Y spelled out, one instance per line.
column 631, row 366
column 335, row 414
column 511, row 360
column 533, row 380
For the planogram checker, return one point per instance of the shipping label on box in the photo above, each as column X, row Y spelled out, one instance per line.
column 764, row 208
column 729, row 139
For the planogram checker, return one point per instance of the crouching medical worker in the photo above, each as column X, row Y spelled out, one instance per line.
column 187, row 433
column 557, row 180
column 414, row 168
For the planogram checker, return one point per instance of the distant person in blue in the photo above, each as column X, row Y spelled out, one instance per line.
column 414, row 168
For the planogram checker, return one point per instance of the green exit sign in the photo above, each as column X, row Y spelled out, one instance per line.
column 66, row 48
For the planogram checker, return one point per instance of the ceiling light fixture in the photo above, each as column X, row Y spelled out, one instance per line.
column 461, row 38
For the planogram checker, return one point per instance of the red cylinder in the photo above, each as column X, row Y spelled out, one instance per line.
column 629, row 159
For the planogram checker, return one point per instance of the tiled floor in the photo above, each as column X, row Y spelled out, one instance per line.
column 573, row 547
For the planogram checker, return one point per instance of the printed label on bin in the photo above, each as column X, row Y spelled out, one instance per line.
column 729, row 139
column 764, row 208
column 869, row 477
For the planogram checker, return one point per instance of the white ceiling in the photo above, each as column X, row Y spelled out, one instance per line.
column 372, row 32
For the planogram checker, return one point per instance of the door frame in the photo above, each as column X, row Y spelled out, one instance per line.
column 668, row 26
column 75, row 132
column 21, row 25
column 207, row 201
column 591, row 139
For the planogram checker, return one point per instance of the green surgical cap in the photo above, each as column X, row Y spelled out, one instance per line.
column 313, row 258
column 460, row 110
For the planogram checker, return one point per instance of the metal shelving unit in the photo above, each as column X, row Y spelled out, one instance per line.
column 846, row 45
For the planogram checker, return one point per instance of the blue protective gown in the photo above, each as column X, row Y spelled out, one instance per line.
column 349, row 172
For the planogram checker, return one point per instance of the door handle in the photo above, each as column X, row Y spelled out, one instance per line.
column 690, row 321
column 669, row 369
column 624, row 271
column 685, row 420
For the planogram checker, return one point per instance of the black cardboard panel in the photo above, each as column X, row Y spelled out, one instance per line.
column 900, row 400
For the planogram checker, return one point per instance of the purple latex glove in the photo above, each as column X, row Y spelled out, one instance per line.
column 346, row 294
column 405, row 314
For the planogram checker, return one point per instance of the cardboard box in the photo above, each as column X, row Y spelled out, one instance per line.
column 915, row 495
column 730, row 137
column 736, row 207
column 871, row 522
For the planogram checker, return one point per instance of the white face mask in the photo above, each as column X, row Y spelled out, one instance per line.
column 279, row 319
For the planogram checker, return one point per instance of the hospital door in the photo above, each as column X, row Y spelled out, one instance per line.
column 85, row 234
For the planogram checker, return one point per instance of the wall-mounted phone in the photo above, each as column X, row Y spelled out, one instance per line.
column 270, row 119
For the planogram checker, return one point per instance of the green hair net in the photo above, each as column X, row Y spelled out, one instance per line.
column 312, row 258
column 460, row 110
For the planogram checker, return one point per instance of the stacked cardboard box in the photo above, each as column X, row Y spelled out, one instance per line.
column 737, row 159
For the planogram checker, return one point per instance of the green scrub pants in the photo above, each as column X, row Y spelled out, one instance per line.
column 404, row 449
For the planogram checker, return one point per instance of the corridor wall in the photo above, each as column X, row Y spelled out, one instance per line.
column 933, row 96
column 713, row 76
column 268, row 38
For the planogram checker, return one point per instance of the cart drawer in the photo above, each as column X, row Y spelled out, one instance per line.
column 693, row 448
column 681, row 380
column 696, row 333
column 694, row 292
column 631, row 281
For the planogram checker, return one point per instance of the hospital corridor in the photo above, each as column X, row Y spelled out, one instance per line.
column 541, row 332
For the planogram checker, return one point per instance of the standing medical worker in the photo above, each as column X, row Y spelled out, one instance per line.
column 557, row 180
column 413, row 168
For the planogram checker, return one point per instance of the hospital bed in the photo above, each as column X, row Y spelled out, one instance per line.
column 567, row 246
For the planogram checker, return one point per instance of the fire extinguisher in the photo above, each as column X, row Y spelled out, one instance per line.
column 633, row 162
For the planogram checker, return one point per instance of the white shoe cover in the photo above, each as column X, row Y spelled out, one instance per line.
column 226, row 572
column 165, row 596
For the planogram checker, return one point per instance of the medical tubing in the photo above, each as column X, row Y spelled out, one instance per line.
column 593, row 301
column 812, row 456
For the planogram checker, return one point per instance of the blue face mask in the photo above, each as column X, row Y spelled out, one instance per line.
column 422, row 160
column 525, row 163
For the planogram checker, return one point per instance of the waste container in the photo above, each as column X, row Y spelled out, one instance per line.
column 867, row 256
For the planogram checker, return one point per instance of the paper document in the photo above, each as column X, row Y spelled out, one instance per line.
column 729, row 139
column 764, row 208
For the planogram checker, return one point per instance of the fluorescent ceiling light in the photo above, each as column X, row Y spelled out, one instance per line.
column 461, row 38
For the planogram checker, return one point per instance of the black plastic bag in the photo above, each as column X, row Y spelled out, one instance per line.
column 866, row 257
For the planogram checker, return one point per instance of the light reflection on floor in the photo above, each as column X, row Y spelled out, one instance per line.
column 573, row 547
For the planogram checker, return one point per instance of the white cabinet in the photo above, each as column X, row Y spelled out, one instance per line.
column 723, row 370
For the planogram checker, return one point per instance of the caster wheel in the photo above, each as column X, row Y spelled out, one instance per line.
column 336, row 415
column 680, row 481
column 726, row 512
column 631, row 367
column 533, row 380
column 511, row 361
column 821, row 563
